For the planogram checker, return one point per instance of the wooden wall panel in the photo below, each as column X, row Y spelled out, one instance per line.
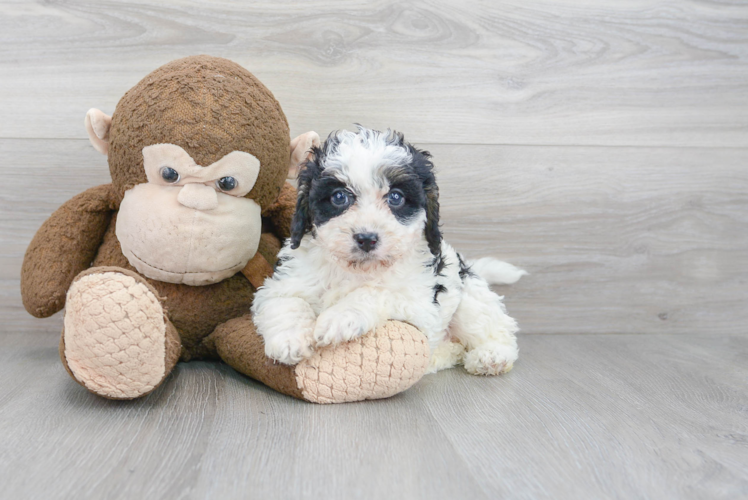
column 474, row 72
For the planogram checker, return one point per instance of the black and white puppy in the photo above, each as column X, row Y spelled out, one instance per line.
column 366, row 247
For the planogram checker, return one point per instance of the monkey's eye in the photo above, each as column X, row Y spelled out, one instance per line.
column 396, row 198
column 226, row 183
column 169, row 175
column 340, row 198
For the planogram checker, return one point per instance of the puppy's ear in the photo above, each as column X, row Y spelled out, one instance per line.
column 302, row 218
column 433, row 233
column 424, row 168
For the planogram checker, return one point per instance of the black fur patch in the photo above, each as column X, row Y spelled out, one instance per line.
column 404, row 179
column 279, row 263
column 418, row 183
column 438, row 288
column 313, row 205
column 424, row 169
column 465, row 270
column 319, row 199
column 438, row 265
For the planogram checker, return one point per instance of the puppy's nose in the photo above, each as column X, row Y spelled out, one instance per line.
column 366, row 241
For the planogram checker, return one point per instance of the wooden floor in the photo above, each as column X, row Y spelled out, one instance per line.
column 582, row 416
column 601, row 146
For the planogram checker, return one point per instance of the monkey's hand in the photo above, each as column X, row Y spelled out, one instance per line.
column 64, row 246
column 281, row 212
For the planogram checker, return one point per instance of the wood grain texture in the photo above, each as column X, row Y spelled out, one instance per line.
column 617, row 240
column 611, row 416
column 476, row 72
column 666, row 413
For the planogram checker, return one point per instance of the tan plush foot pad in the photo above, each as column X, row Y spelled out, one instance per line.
column 377, row 365
column 114, row 335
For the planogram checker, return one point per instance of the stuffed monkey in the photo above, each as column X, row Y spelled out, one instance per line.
column 161, row 265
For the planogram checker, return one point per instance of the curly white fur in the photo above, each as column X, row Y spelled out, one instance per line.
column 328, row 290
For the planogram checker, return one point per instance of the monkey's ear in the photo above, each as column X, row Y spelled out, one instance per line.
column 97, row 126
column 301, row 151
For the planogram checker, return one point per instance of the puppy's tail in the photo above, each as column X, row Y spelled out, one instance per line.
column 495, row 271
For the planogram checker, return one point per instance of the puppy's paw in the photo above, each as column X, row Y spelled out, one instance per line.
column 289, row 347
column 490, row 359
column 336, row 326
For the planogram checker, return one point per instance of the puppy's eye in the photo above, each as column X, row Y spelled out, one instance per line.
column 396, row 198
column 226, row 183
column 169, row 174
column 340, row 199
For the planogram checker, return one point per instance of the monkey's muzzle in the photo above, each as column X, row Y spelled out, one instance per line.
column 188, row 234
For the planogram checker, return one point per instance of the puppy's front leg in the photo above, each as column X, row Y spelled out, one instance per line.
column 286, row 324
column 360, row 311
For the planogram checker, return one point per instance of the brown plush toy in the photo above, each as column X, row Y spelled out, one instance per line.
column 161, row 265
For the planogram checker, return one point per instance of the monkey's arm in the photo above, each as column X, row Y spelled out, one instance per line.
column 276, row 226
column 64, row 246
column 281, row 212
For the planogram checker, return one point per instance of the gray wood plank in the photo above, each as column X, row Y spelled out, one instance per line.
column 478, row 71
column 210, row 433
column 605, row 416
column 617, row 240
column 593, row 416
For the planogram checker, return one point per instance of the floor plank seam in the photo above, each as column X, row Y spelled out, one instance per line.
column 476, row 144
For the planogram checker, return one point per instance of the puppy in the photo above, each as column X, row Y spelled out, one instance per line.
column 366, row 247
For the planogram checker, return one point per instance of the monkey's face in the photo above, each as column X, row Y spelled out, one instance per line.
column 196, row 150
column 190, row 224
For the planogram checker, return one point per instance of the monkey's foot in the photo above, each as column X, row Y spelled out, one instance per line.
column 377, row 365
column 116, row 341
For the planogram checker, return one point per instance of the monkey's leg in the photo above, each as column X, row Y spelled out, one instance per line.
column 117, row 341
column 377, row 365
